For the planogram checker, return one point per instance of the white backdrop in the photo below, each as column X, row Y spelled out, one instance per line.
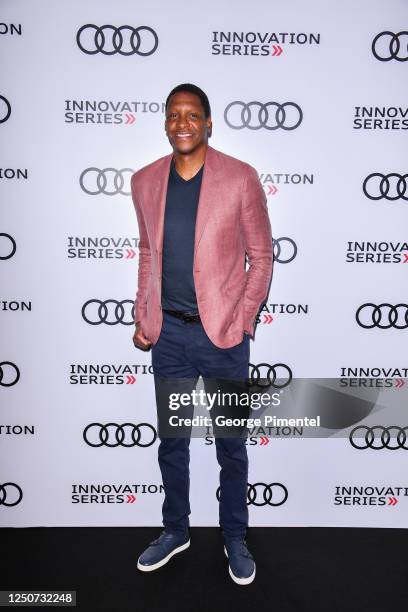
column 46, row 212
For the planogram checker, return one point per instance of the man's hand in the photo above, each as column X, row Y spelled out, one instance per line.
column 139, row 339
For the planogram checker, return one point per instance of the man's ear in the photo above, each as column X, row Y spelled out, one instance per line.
column 209, row 127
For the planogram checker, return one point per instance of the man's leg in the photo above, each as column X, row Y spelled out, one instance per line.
column 233, row 459
column 173, row 374
column 227, row 369
column 218, row 368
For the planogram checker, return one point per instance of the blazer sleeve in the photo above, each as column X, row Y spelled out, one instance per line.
column 258, row 245
column 144, row 270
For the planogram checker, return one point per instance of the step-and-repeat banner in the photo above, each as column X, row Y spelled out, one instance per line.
column 314, row 95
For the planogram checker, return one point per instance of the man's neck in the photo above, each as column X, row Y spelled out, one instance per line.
column 188, row 165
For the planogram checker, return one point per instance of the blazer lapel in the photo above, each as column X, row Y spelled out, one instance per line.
column 160, row 195
column 208, row 194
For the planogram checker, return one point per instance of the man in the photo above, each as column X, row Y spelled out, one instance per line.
column 200, row 213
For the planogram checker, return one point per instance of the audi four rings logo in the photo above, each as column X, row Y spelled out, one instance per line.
column 110, row 312
column 265, row 375
column 378, row 437
column 114, row 434
column 389, row 186
column 261, row 494
column 284, row 250
column 10, row 494
column 383, row 316
column 256, row 115
column 125, row 40
column 9, row 374
column 388, row 45
column 108, row 181
column 5, row 109
column 10, row 246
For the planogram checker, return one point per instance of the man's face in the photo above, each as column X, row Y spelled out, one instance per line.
column 186, row 126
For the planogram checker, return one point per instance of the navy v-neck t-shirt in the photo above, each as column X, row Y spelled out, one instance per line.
column 178, row 290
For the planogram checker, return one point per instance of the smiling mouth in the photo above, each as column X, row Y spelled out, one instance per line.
column 183, row 135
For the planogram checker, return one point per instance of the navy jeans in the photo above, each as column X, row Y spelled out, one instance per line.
column 184, row 351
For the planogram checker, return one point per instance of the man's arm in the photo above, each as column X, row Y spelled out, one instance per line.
column 258, row 246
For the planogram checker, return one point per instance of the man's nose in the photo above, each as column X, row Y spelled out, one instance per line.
column 182, row 121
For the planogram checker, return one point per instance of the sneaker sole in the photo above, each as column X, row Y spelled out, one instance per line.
column 151, row 568
column 241, row 581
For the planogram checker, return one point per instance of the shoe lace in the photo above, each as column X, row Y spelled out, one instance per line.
column 162, row 537
column 239, row 547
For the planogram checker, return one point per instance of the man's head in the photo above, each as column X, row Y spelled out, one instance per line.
column 188, row 118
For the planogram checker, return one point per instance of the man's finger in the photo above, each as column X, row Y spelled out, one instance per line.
column 140, row 343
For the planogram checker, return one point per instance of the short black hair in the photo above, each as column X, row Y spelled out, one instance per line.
column 190, row 88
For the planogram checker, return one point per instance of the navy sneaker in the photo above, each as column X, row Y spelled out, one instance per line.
column 161, row 550
column 241, row 562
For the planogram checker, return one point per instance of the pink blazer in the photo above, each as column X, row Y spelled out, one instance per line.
column 232, row 221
